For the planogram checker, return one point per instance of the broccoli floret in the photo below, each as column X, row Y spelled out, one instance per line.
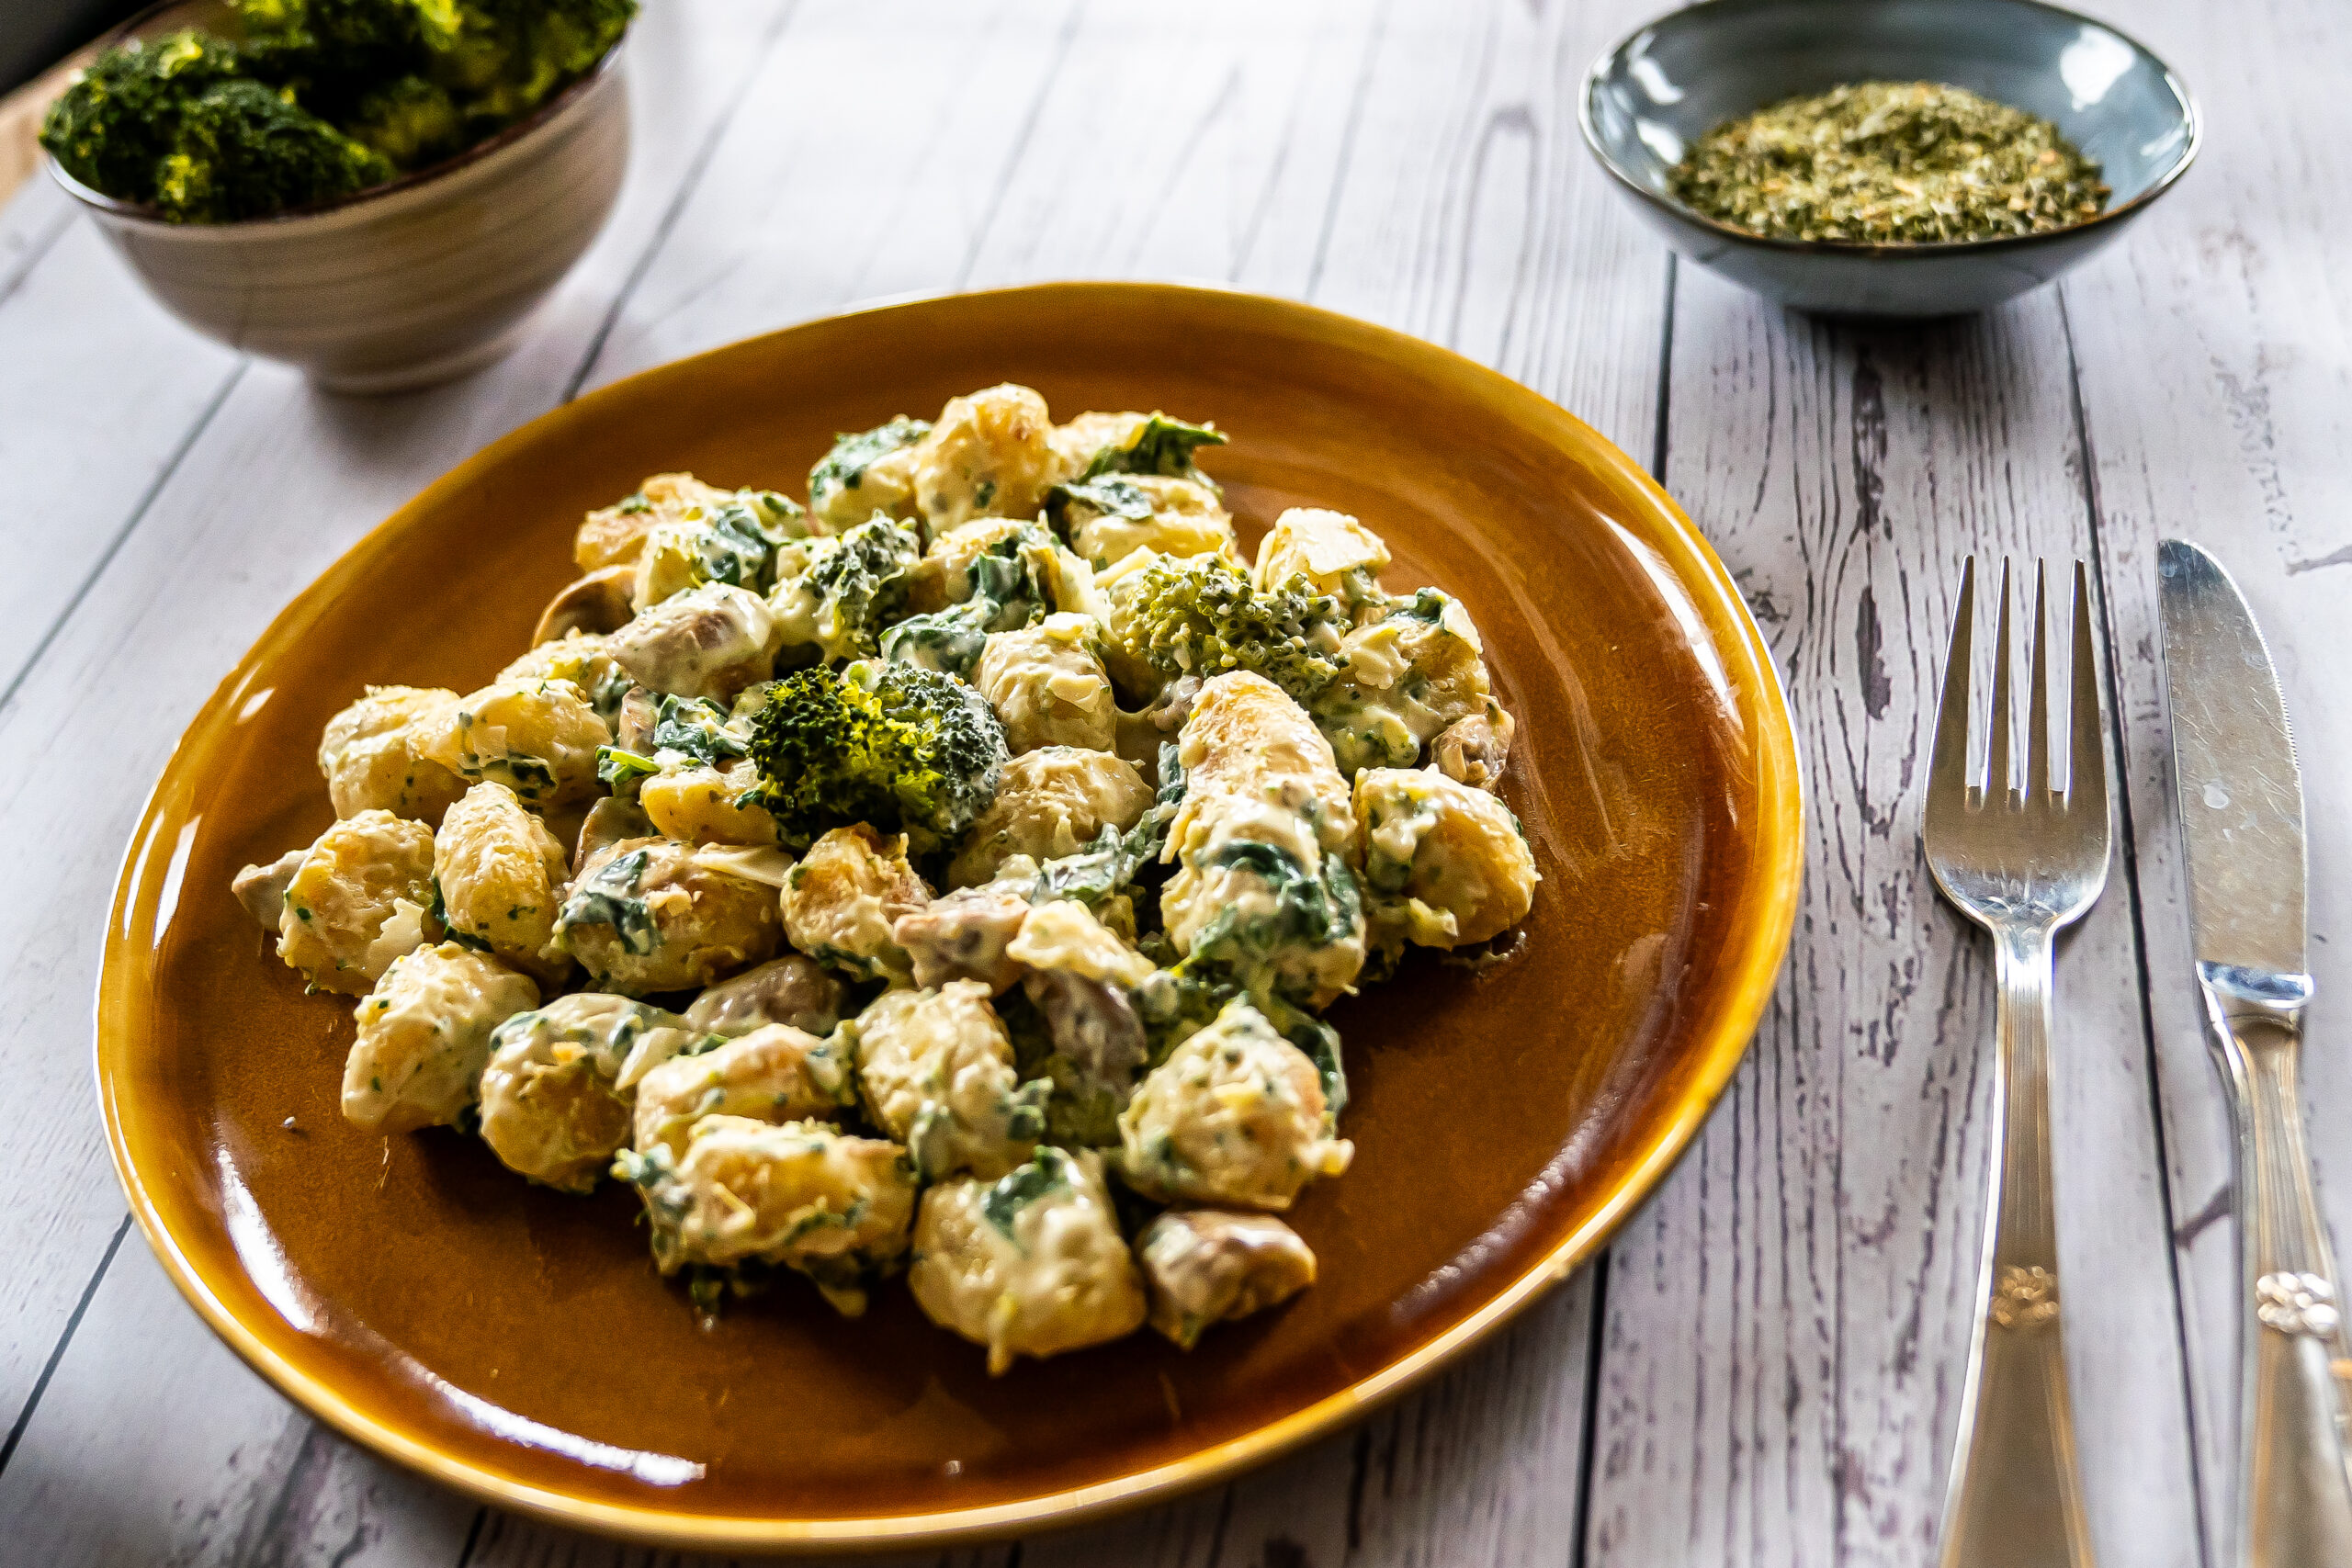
column 887, row 744
column 411, row 121
column 242, row 151
column 322, row 99
column 113, row 127
column 1160, row 445
column 1200, row 615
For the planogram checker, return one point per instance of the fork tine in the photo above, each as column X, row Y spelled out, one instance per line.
column 1997, row 764
column 1948, row 767
column 2085, row 752
column 2036, row 730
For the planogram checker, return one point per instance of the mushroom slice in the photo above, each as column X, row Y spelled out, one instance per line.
column 597, row 602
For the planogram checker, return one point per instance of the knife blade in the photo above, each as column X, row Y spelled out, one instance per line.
column 2233, row 768
column 2241, row 797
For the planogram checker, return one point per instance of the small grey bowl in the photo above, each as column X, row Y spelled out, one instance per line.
column 414, row 282
column 1669, row 84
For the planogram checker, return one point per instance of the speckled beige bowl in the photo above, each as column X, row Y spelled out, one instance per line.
column 414, row 282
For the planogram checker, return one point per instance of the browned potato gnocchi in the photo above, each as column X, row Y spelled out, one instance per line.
column 803, row 1196
column 501, row 873
column 1053, row 802
column 557, row 1091
column 537, row 738
column 425, row 1037
column 841, row 900
column 1233, row 1115
column 359, row 899
column 370, row 757
column 1032, row 1264
column 649, row 915
column 935, row 1070
column 776, row 1073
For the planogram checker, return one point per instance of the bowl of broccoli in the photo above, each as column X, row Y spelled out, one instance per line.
column 376, row 191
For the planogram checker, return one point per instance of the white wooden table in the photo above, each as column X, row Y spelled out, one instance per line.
column 1764, row 1367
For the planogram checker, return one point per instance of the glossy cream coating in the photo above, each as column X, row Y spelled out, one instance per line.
column 842, row 899
column 648, row 915
column 1403, row 679
column 369, row 755
column 848, row 1041
column 1117, row 515
column 1234, row 1116
column 699, row 804
column 711, row 642
column 584, row 659
column 615, row 535
column 1262, row 882
column 988, row 452
column 1051, row 803
column 802, row 1195
column 776, row 1073
column 1448, row 862
column 1031, row 1265
column 537, row 738
column 501, row 876
column 1324, row 552
column 557, row 1090
column 934, row 1068
column 357, row 901
column 1048, row 686
column 425, row 1037
column 1203, row 1267
column 793, row 988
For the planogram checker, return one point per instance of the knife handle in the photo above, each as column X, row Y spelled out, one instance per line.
column 2294, row 1482
column 2016, row 1499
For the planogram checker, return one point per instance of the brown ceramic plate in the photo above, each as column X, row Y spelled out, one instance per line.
column 517, row 1343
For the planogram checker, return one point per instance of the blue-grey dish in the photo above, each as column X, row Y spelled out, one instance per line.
column 1686, row 73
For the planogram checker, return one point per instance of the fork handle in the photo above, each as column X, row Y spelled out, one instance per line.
column 2015, row 1499
column 2294, row 1489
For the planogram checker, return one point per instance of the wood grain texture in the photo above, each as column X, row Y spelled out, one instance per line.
column 1783, row 1326
column 2215, row 355
column 1788, row 1321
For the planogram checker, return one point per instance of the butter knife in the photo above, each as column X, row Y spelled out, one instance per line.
column 2242, row 826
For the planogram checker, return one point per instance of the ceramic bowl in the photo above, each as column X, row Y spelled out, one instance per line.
column 515, row 1341
column 1648, row 99
column 411, row 283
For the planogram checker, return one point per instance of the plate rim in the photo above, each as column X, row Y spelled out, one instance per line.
column 1754, row 970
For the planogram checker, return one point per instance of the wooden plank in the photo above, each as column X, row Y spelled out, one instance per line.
column 1788, row 1321
column 2213, row 345
column 280, row 482
column 172, row 1452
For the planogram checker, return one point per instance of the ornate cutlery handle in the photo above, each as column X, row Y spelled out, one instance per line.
column 2016, row 1501
column 2294, row 1486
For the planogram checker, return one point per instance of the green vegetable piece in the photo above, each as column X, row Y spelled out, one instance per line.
column 609, row 897
column 1202, row 616
column 888, row 744
column 623, row 771
column 1047, row 1174
column 845, row 466
column 1160, row 445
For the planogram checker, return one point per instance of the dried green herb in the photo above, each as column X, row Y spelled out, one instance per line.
column 1888, row 163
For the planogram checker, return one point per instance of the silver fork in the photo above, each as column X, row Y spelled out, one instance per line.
column 2021, row 864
